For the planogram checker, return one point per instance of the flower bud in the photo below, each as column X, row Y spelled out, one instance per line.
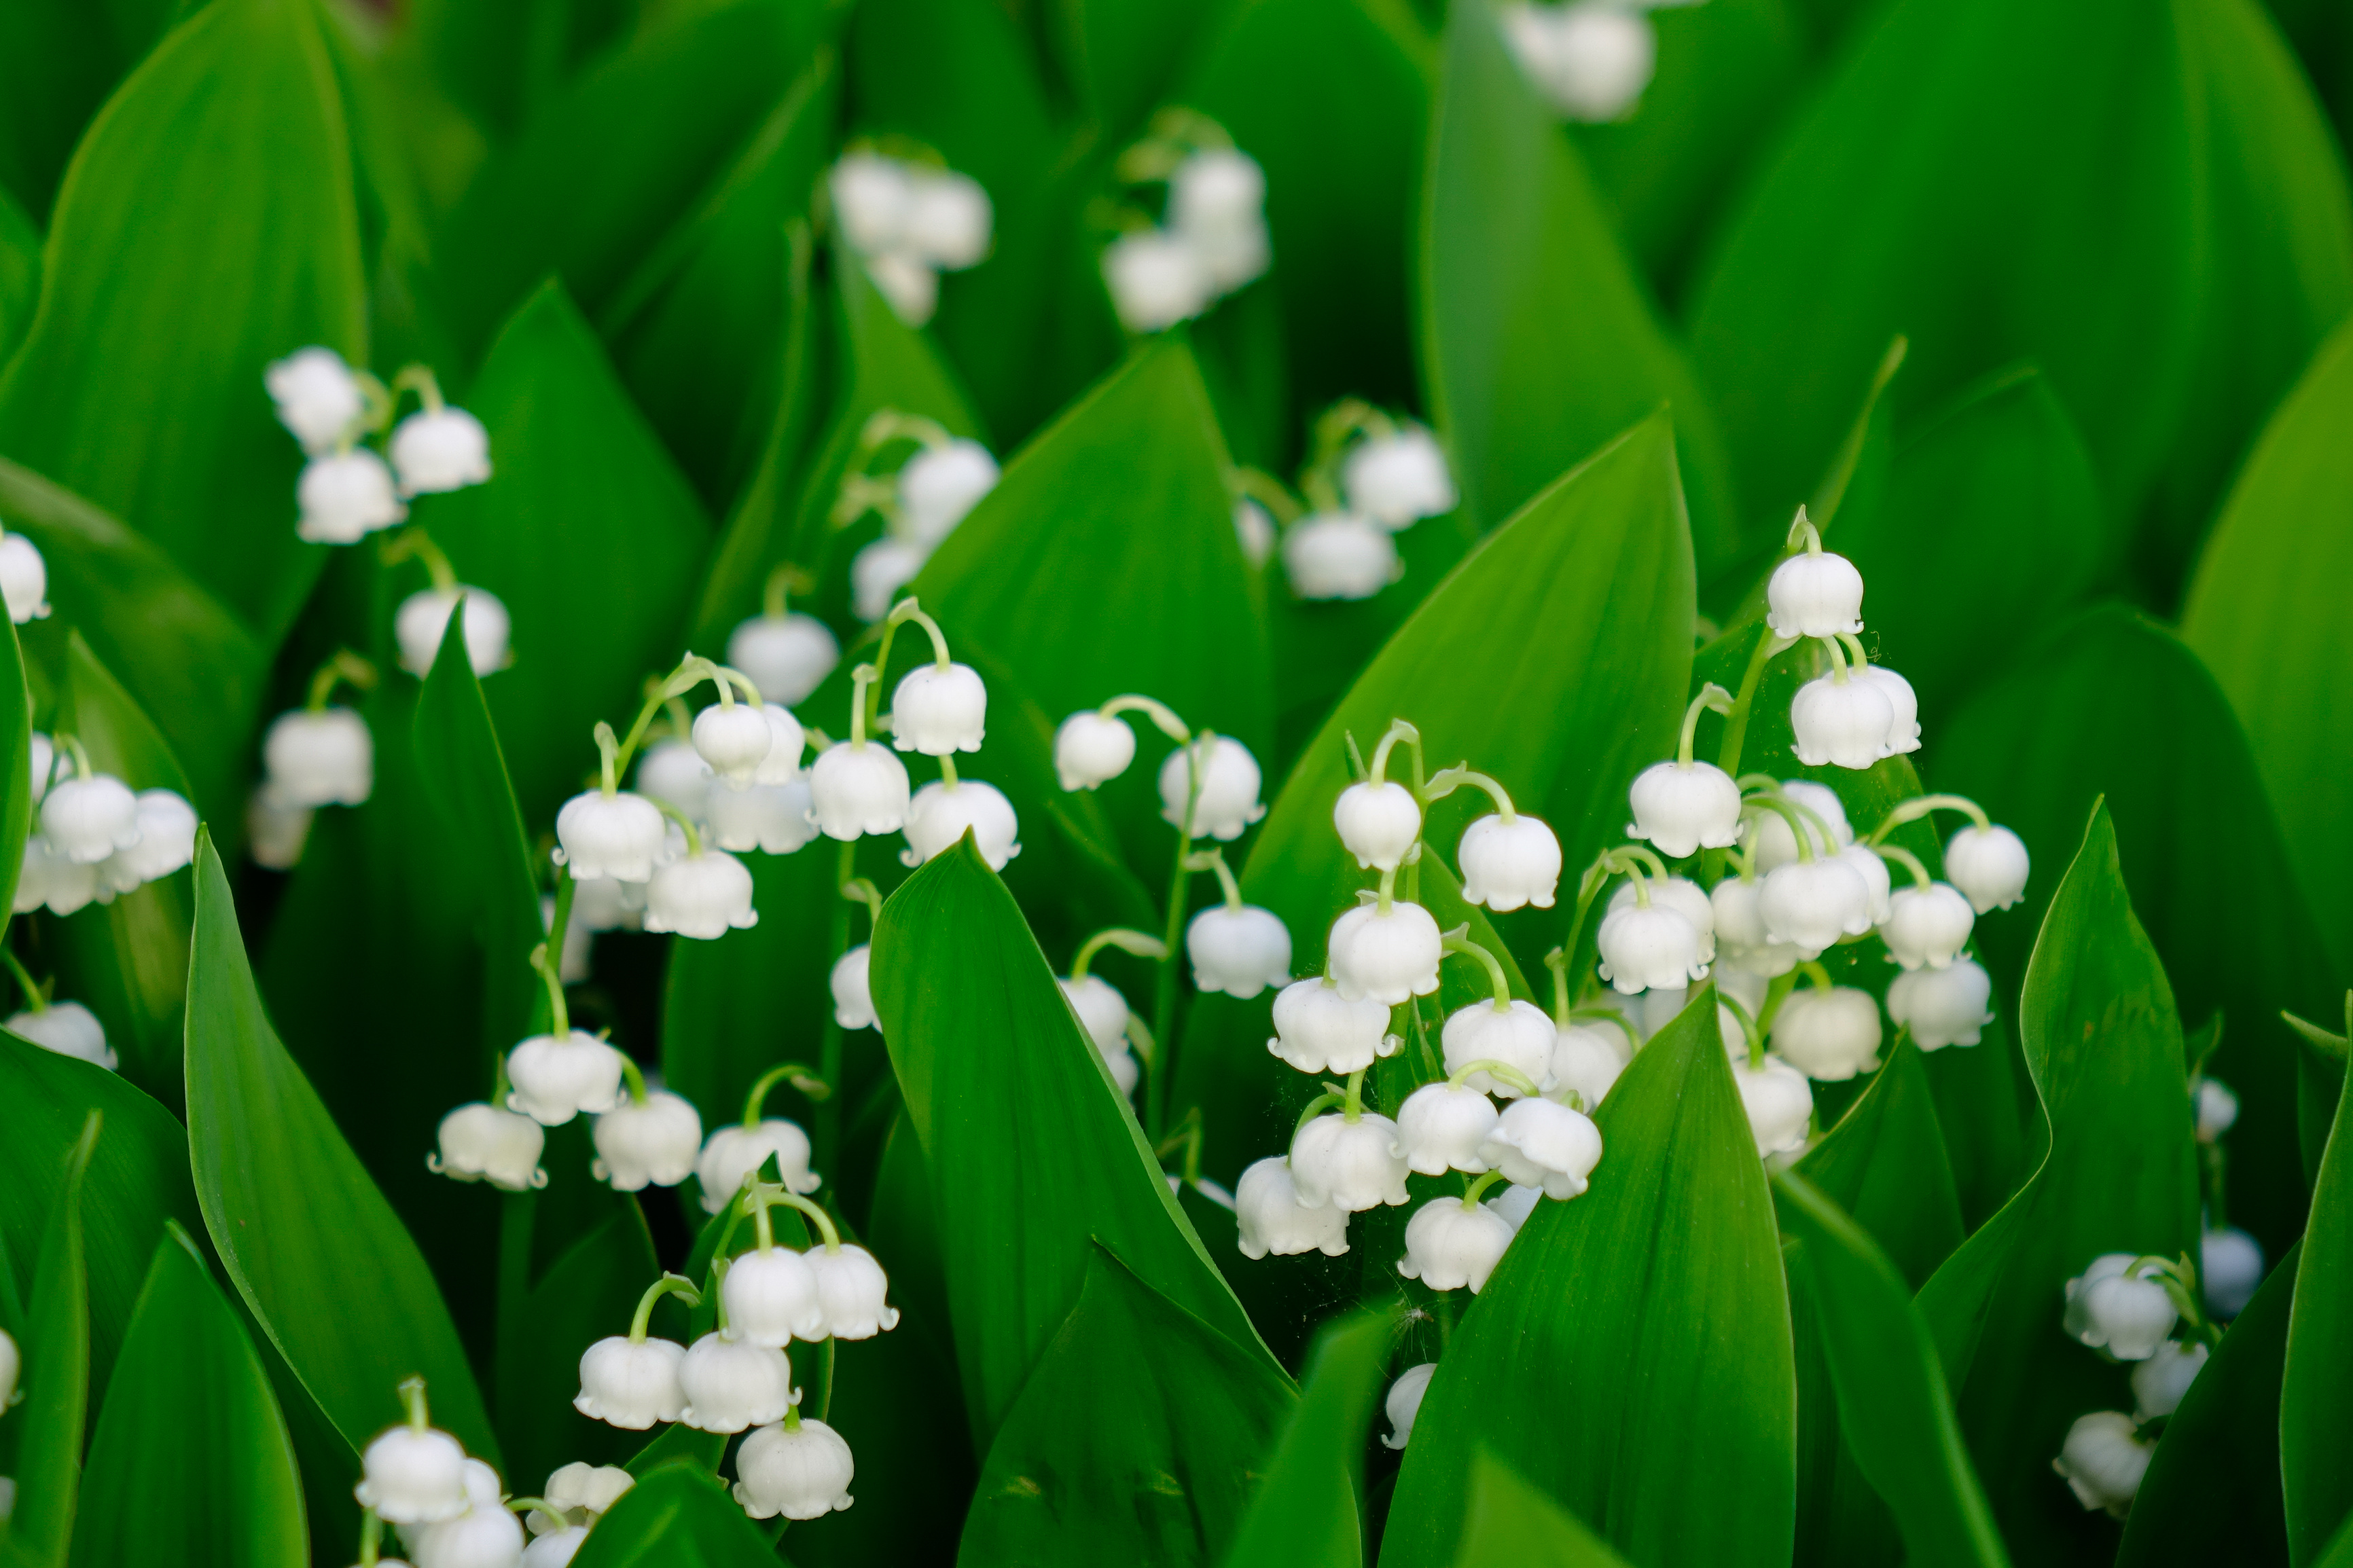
column 481, row 1143
column 939, row 710
column 800, row 1472
column 1586, row 1061
column 1646, row 945
column 341, row 498
column 1339, row 555
column 1777, row 846
column 318, row 397
column 88, row 818
column 734, row 1153
column 771, row 1297
column 1814, row 596
column 1101, row 1010
column 1928, row 927
column 69, row 1028
column 872, row 199
column 1591, row 59
column 555, row 1079
column 730, row 1384
column 857, row 788
column 1542, row 1143
column 1840, row 722
column 1317, row 1030
column 1227, row 800
column 1738, row 908
column 1350, row 1165
column 440, row 449
column 1830, row 1035
column 1156, row 279
column 1520, row 1036
column 1682, row 809
column 771, row 819
column 1780, row 1102
column 631, row 1386
column 1403, row 1403
column 2217, row 1107
column 620, row 836
column 940, row 812
column 1440, row 1126
column 850, row 1286
column 1506, row 865
column 423, row 616
column 881, row 569
column 2158, row 1382
column 1377, row 823
column 1398, row 480
column 948, row 218
column 1902, row 707
column 410, row 1477
column 1216, row 204
column 733, row 740
column 2115, row 1307
column 1989, row 865
column 2103, row 1461
column 1271, row 1218
column 1942, row 1006
column 167, row 841
column 1388, row 954
column 787, row 657
column 2229, row 1268
column 1091, row 750
column 853, row 999
column 653, row 1140
column 1448, row 1245
column 1809, row 904
column 1240, row 952
column 939, row 487
column 673, row 771
column 326, row 758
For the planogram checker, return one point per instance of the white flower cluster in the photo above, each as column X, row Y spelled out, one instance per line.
column 938, row 482
column 1590, row 58
column 23, row 578
column 94, row 838
column 450, row 1509
column 1390, row 475
column 2127, row 1307
column 908, row 221
column 312, row 756
column 349, row 490
column 1211, row 239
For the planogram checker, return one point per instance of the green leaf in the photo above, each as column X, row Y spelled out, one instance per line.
column 57, row 60
column 57, row 1386
column 206, row 227
column 1120, row 56
column 2262, row 616
column 1883, row 1164
column 2115, row 705
column 1020, row 1125
column 677, row 1516
column 16, row 765
column 1893, row 1409
column 1539, row 341
column 589, row 1293
column 1306, row 1509
column 588, row 517
column 1652, row 1309
column 187, row 661
column 20, row 273
column 1514, row 1525
column 2212, row 1490
column 501, row 63
column 2319, row 1365
column 2104, row 1045
column 1136, row 1438
column 154, row 1495
column 310, row 1242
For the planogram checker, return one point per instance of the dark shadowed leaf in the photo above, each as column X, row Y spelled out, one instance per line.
column 1306, row 1509
column 55, row 1380
column 2320, row 1367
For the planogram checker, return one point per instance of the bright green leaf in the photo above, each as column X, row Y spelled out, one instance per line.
column 1305, row 1510
column 58, row 60
column 55, row 1377
column 677, row 1516
column 20, row 273
column 2320, row 1367
column 1883, row 1164
column 1514, row 1525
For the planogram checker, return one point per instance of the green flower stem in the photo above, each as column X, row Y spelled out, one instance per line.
column 1712, row 698
column 1610, row 1016
column 1446, row 780
column 1909, row 861
column 888, row 425
column 1139, row 1035
column 1352, row 1104
column 634, row 1077
column 1796, row 815
column 1254, row 484
column 1812, row 970
column 860, row 679
column 533, row 1505
column 70, row 746
column 831, row 1038
column 1838, row 676
column 1735, row 722
column 371, row 1537
column 1142, row 944
column 717, row 1295
column 1473, row 1191
column 1748, row 1028
column 757, row 1199
column 1861, row 659
column 784, row 579
column 686, row 826
column 412, row 1400
column 1317, row 1107
column 1802, row 530
column 1589, row 888
column 1557, row 962
column 420, row 379
column 1776, row 993
column 346, row 665
column 908, row 610
column 807, row 1082
column 550, row 967
column 793, row 1415
column 947, row 770
column 824, row 1221
column 1918, row 807
column 1186, row 1140
column 1399, row 730
column 35, row 1001
column 1164, row 718
column 1501, row 1072
column 1455, row 942
column 415, row 543
column 1164, row 999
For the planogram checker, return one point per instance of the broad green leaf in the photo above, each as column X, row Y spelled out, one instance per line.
column 2116, row 706
column 16, row 765
column 677, row 1516
column 1894, row 1409
column 1120, row 56
column 20, row 273
column 55, row 1381
column 2212, row 1490
column 190, row 664
column 1538, row 342
column 1553, row 658
column 1136, row 1438
column 2102, row 1041
column 137, row 1180
column 1020, row 1124
column 1998, row 181
column 57, row 60
column 2263, row 617
column 1883, row 1164
column 501, row 63
column 587, row 517
column 206, row 227
column 587, row 1294
column 2319, row 1367
column 312, row 1247
column 1305, row 1510
column 617, row 158
column 159, row 1493
column 1514, row 1525
column 1651, row 1312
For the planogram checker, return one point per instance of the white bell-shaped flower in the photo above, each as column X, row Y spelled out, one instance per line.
column 1777, row 846
column 786, row 740
column 948, row 218
column 556, row 1549
column 1780, row 1102
column 733, row 1384
column 1440, row 1126
column 323, row 758
column 1928, row 927
column 1682, row 809
column 424, row 615
column 167, row 841
column 854, row 996
column 583, row 1490
column 1586, row 1061
column 12, row 1363
column 1216, row 204
column 736, row 1152
column 1156, row 279
column 1339, row 555
column 24, row 579
column 275, row 834
column 1515, row 1204
column 939, row 709
column 1102, row 1011
column 413, row 1476
column 1683, row 896
column 1227, row 800
column 1643, row 945
column 1448, row 1245
column 858, row 787
column 1878, row 886
column 317, row 396
column 1091, row 750
column 1741, row 941
column 480, row 1142
column 939, row 487
column 878, row 570
column 1828, row 1035
column 672, row 772
column 1318, row 1030
column 2216, row 1107
column 654, row 1141
column 2229, row 1268
column 907, row 283
column 604, row 904
column 1591, row 59
column 630, row 1384
column 1943, row 1006
column 1542, row 1143
column 1388, row 954
column 485, row 1536
column 850, row 1286
column 1507, row 864
column 50, row 878
column 2124, row 1311
column 771, row 1297
column 940, row 814
column 1814, row 596
column 344, row 497
column 872, row 197
column 1520, row 1036
column 439, row 449
column 1811, row 904
column 773, row 818
column 44, row 762
column 1269, row 1217
column 787, row 657
column 621, row 835
column 1124, row 1072
column 555, row 1079
column 2160, row 1382
column 1989, row 865
column 1839, row 722
column 88, row 818
column 733, row 740
column 1253, row 532
column 2103, row 1461
column 1903, row 708
column 1377, row 823
column 1240, row 952
column 67, row 1028
column 703, row 896
column 1349, row 1165
column 800, row 1472
column 1397, row 479
column 1403, row 1403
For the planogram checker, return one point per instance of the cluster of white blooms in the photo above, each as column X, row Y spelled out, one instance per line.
column 312, row 756
column 2127, row 1307
column 451, row 1510
column 23, row 578
column 349, row 490
column 1372, row 477
column 908, row 221
column 2230, row 1261
column 1102, row 1011
column 939, row 479
column 1211, row 239
column 94, row 837
column 1590, row 58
